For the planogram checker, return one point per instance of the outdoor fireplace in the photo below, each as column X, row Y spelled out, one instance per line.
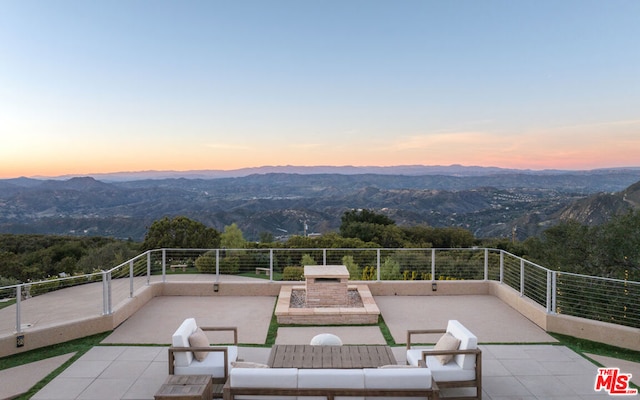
column 326, row 285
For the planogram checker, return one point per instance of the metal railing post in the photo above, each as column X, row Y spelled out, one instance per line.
column 521, row 277
column 324, row 256
column 164, row 265
column 378, row 265
column 271, row 265
column 131, row 278
column 105, row 294
column 486, row 264
column 554, row 292
column 433, row 264
column 19, row 309
column 148, row 267
column 217, row 265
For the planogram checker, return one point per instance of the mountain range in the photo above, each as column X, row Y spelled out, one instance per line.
column 491, row 202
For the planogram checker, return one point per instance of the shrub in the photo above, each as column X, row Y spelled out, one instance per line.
column 206, row 263
column 230, row 265
column 293, row 274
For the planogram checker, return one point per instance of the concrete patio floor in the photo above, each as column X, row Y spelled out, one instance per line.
column 520, row 360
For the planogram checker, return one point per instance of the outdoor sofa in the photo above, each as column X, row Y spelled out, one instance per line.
column 393, row 382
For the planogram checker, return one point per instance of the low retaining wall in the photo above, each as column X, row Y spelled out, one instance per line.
column 597, row 331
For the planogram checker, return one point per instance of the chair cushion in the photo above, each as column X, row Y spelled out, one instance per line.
column 414, row 356
column 446, row 342
column 199, row 339
column 248, row 364
column 449, row 372
column 180, row 338
column 213, row 365
column 468, row 341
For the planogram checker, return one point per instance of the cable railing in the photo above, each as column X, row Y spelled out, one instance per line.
column 601, row 299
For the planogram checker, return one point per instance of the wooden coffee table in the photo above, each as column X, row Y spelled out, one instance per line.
column 186, row 387
column 350, row 356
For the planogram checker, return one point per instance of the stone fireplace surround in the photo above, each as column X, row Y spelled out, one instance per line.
column 327, row 289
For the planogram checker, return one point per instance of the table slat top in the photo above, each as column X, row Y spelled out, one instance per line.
column 350, row 356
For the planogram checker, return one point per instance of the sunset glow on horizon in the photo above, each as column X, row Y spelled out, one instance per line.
column 99, row 87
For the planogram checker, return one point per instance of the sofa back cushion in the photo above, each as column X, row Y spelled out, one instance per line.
column 329, row 378
column 263, row 378
column 468, row 341
column 180, row 338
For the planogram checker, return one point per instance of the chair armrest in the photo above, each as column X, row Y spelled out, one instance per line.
column 223, row 328
column 412, row 332
column 477, row 352
column 431, row 352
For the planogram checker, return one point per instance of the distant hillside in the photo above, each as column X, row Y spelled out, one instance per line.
column 404, row 170
column 600, row 207
column 488, row 202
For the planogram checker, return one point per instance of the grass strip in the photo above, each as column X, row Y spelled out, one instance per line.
column 77, row 346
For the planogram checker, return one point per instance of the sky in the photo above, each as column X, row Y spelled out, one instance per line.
column 110, row 86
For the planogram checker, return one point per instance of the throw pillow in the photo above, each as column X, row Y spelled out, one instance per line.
column 199, row 339
column 247, row 364
column 446, row 342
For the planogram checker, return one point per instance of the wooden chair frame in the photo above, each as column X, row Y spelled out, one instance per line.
column 476, row 382
column 173, row 350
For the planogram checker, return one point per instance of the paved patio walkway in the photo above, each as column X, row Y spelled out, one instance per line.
column 512, row 369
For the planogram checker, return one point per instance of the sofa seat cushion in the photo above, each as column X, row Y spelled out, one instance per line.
column 397, row 378
column 272, row 378
column 212, row 365
column 450, row 371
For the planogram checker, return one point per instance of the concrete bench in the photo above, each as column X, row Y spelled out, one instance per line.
column 174, row 266
column 267, row 271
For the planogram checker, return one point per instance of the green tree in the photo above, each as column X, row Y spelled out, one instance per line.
column 390, row 270
column 449, row 237
column 266, row 237
column 180, row 232
column 616, row 249
column 307, row 260
column 368, row 226
column 206, row 263
column 232, row 237
column 353, row 268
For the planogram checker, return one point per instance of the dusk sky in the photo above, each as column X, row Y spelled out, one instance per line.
column 108, row 86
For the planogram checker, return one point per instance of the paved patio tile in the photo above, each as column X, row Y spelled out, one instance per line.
column 63, row 389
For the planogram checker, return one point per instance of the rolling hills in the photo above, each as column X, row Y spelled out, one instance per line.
column 488, row 201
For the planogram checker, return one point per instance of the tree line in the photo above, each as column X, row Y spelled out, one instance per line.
column 608, row 250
